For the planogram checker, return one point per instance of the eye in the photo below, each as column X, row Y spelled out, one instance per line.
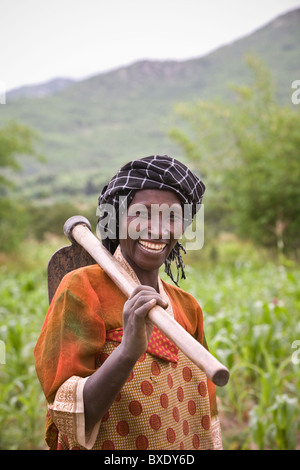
column 176, row 217
column 143, row 214
column 138, row 210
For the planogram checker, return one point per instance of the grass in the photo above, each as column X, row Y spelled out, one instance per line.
column 22, row 411
column 252, row 318
column 251, row 311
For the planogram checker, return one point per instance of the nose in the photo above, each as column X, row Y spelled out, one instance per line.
column 159, row 227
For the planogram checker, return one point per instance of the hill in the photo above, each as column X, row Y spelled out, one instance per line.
column 90, row 127
column 40, row 90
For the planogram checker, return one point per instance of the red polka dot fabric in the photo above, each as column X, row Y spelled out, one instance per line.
column 159, row 345
column 166, row 402
column 163, row 406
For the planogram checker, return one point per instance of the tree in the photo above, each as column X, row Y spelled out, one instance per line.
column 248, row 151
column 15, row 140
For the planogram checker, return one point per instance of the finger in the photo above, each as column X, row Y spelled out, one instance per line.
column 146, row 292
column 136, row 293
column 143, row 298
column 141, row 288
column 143, row 311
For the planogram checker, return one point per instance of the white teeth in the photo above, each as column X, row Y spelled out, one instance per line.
column 152, row 247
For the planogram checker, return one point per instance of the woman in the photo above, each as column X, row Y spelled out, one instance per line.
column 111, row 380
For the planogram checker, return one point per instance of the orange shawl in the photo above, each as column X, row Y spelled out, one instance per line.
column 86, row 307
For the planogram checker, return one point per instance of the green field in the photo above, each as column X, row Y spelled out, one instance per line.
column 252, row 318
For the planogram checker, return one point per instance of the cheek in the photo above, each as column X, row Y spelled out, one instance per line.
column 172, row 245
column 177, row 230
column 134, row 227
column 128, row 249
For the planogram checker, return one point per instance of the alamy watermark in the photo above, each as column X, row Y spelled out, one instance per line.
column 296, row 354
column 296, row 94
column 2, row 93
column 2, row 352
column 153, row 222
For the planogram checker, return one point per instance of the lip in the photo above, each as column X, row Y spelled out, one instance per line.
column 152, row 247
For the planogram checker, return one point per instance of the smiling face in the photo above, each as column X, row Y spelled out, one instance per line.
column 151, row 229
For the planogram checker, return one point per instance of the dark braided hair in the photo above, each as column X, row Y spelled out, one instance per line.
column 176, row 256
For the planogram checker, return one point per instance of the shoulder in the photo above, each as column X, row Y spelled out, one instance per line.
column 87, row 282
column 88, row 292
column 92, row 274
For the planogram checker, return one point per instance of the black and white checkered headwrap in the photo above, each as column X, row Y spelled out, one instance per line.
column 154, row 172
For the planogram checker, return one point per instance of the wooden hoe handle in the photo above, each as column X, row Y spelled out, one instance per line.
column 77, row 229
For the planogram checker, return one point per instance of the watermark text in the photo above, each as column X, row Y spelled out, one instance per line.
column 296, row 94
column 153, row 222
column 296, row 354
column 2, row 353
column 2, row 93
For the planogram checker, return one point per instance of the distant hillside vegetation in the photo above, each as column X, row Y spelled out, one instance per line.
column 90, row 127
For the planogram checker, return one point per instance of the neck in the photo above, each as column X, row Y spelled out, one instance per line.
column 146, row 278
column 149, row 279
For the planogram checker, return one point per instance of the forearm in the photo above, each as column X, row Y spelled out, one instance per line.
column 102, row 387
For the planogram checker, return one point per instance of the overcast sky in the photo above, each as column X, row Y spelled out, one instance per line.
column 43, row 39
